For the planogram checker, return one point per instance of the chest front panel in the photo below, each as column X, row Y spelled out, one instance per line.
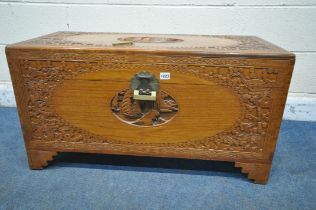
column 223, row 104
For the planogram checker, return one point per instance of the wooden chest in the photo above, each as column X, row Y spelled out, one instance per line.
column 199, row 97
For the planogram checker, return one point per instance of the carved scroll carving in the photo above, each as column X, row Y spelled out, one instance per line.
column 252, row 85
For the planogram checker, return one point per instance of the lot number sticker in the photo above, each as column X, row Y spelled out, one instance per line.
column 164, row 75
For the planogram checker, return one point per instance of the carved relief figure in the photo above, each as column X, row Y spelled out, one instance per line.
column 143, row 104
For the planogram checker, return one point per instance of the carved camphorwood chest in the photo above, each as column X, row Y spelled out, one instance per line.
column 199, row 97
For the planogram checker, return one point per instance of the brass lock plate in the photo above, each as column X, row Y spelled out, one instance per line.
column 144, row 104
column 150, row 97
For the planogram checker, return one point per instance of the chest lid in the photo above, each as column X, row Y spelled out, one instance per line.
column 191, row 44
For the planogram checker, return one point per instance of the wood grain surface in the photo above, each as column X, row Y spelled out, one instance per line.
column 230, row 99
column 203, row 106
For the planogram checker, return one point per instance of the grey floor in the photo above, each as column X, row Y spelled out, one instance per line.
column 77, row 181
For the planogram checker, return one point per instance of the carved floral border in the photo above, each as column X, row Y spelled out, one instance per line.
column 252, row 85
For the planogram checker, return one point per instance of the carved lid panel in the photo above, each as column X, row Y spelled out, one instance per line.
column 200, row 44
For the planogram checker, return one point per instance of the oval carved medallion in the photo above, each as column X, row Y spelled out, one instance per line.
column 204, row 107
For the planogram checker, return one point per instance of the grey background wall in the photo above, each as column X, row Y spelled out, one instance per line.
column 288, row 23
